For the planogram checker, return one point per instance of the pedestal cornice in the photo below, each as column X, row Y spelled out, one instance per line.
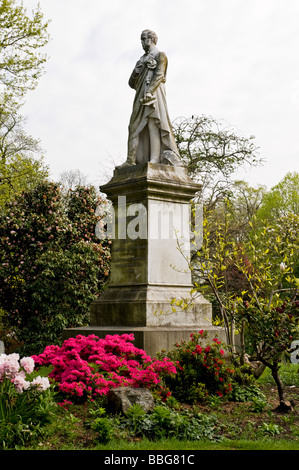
column 152, row 180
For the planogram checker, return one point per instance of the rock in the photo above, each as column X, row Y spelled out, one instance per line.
column 122, row 398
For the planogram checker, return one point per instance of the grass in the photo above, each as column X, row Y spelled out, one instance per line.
column 289, row 375
column 177, row 445
column 237, row 425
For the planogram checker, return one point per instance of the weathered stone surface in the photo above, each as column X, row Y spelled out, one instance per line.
column 149, row 306
column 151, row 339
column 148, row 271
column 122, row 398
column 150, row 130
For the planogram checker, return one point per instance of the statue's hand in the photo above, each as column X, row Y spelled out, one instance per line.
column 138, row 67
column 148, row 98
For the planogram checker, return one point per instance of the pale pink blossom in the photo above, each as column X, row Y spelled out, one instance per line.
column 20, row 382
column 9, row 365
column 28, row 364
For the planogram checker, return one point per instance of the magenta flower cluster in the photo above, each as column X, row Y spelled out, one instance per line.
column 86, row 366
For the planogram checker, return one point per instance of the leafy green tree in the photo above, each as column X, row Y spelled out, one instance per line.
column 51, row 265
column 282, row 199
column 270, row 308
column 280, row 207
column 260, row 300
column 212, row 268
column 214, row 273
column 236, row 210
column 19, row 167
column 21, row 174
column 242, row 204
column 22, row 37
column 213, row 152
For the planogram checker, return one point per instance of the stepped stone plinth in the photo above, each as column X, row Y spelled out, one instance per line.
column 150, row 254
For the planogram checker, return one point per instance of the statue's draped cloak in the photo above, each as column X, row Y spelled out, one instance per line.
column 150, row 80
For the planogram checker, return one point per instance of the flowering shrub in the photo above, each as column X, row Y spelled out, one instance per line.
column 25, row 402
column 14, row 370
column 86, row 366
column 52, row 266
column 201, row 370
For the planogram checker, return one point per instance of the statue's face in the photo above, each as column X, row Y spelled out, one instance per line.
column 146, row 42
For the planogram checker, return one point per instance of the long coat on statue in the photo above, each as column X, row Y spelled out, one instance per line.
column 149, row 76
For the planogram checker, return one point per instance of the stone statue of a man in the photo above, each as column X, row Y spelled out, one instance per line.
column 150, row 131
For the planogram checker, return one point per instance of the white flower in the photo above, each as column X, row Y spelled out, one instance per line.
column 41, row 383
column 282, row 266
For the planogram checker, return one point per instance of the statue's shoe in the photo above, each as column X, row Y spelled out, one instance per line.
column 125, row 165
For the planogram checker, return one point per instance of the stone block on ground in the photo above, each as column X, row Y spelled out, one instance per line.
column 120, row 399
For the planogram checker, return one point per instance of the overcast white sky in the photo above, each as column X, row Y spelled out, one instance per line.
column 231, row 59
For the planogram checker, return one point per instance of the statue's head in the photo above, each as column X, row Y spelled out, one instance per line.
column 150, row 34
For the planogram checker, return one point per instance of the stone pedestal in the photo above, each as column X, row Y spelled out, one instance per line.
column 150, row 253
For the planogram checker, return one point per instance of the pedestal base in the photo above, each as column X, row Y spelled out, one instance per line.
column 150, row 269
column 150, row 339
column 150, row 306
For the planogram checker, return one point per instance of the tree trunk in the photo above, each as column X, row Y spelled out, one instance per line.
column 257, row 366
column 259, row 370
column 242, row 344
column 283, row 406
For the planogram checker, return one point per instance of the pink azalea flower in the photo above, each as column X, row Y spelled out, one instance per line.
column 79, row 364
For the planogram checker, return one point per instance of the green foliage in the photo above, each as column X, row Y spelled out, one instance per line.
column 21, row 39
column 243, row 374
column 89, row 426
column 66, row 285
column 212, row 152
column 21, row 173
column 103, row 426
column 51, row 264
column 28, row 406
column 135, row 415
column 165, row 423
column 237, row 209
column 258, row 404
column 215, row 274
column 269, row 429
column 246, row 393
column 265, row 310
column 201, row 370
column 269, row 307
column 289, row 374
column 23, row 416
column 281, row 200
column 20, row 169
